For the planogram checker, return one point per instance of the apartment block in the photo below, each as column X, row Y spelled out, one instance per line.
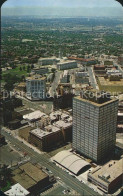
column 63, row 65
column 36, row 87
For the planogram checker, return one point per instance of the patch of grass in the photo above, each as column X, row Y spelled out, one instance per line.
column 15, row 71
column 7, row 187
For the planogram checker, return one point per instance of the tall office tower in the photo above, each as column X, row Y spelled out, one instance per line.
column 36, row 87
column 94, row 124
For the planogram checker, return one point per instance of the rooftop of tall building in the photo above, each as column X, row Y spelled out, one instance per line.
column 95, row 97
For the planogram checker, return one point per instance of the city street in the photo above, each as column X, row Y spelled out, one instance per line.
column 55, row 83
column 92, row 78
column 9, row 156
column 44, row 160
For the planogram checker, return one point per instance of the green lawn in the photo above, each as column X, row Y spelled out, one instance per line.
column 15, row 71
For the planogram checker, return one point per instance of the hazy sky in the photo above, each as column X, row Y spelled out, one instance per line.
column 62, row 3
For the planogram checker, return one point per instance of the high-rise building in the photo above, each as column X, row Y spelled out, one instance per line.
column 36, row 87
column 94, row 124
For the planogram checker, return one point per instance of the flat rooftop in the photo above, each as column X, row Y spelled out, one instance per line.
column 55, row 114
column 22, row 84
column 34, row 172
column 28, row 175
column 50, row 58
column 93, row 103
column 36, row 77
column 17, row 189
column 34, row 115
column 94, row 97
column 81, row 59
column 109, row 172
column 63, row 124
column 39, row 68
column 23, row 179
column 50, row 129
column 107, row 82
column 65, row 62
column 63, row 115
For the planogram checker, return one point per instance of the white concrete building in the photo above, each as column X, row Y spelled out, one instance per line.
column 71, row 162
column 17, row 190
column 113, row 72
column 34, row 116
column 36, row 87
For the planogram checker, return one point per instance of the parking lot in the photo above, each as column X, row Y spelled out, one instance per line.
column 8, row 156
column 58, row 189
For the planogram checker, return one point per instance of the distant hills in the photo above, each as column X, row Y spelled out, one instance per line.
column 63, row 12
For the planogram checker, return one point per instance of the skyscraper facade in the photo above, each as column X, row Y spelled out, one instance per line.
column 94, row 125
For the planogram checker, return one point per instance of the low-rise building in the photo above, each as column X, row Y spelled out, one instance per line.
column 46, row 139
column 113, row 72
column 58, row 115
column 105, row 84
column 64, row 88
column 36, row 87
column 52, row 131
column 67, row 65
column 18, row 190
column 120, row 60
column 30, row 177
column 70, row 161
column 21, row 87
column 87, row 61
column 107, row 177
column 64, row 98
column 47, row 61
column 65, row 77
column 34, row 116
column 40, row 71
column 81, row 77
column 66, row 127
column 45, row 121
column 100, row 70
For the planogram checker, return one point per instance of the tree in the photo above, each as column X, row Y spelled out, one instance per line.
column 10, row 80
column 9, row 86
column 28, row 69
column 20, row 68
column 23, row 67
column 53, row 70
column 22, row 78
column 5, row 175
column 0, row 74
column 32, row 66
column 13, row 66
